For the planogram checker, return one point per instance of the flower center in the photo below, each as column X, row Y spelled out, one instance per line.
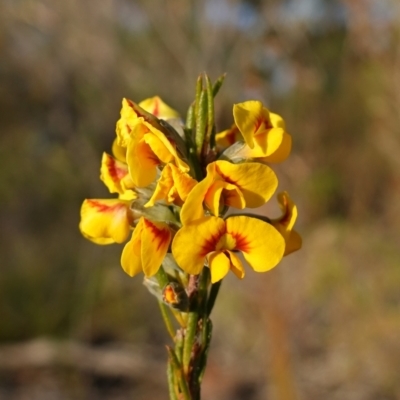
column 226, row 242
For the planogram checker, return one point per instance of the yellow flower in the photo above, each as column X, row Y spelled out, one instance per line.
column 147, row 248
column 148, row 110
column 173, row 186
column 285, row 223
column 149, row 147
column 115, row 176
column 236, row 185
column 158, row 108
column 105, row 221
column 263, row 131
column 140, row 133
column 214, row 240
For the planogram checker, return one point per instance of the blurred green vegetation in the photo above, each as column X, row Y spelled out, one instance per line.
column 332, row 71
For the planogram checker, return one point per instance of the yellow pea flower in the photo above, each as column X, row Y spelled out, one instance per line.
column 173, row 186
column 285, row 223
column 140, row 133
column 148, row 148
column 115, row 176
column 158, row 108
column 237, row 185
column 150, row 109
column 263, row 131
column 147, row 248
column 215, row 240
column 105, row 221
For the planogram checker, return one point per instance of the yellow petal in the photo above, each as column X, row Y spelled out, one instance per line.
column 286, row 222
column 131, row 261
column 261, row 244
column 293, row 243
column 263, row 131
column 226, row 193
column 156, row 237
column 219, row 265
column 236, row 264
column 105, row 221
column 158, row 108
column 125, row 123
column 114, row 174
column 228, row 137
column 192, row 209
column 165, row 149
column 162, row 152
column 118, row 151
column 257, row 182
column 173, row 186
column 277, row 120
column 281, row 152
column 193, row 242
column 248, row 118
column 142, row 162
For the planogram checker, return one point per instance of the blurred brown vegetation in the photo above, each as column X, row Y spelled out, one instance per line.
column 326, row 323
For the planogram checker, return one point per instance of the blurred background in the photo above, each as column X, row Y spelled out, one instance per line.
column 326, row 323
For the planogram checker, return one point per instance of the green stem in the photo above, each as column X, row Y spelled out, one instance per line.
column 171, row 382
column 162, row 278
column 206, row 339
column 167, row 319
column 177, row 368
column 190, row 335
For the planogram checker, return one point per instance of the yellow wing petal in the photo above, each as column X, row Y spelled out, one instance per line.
column 156, row 237
column 193, row 242
column 256, row 181
column 131, row 261
column 158, row 108
column 261, row 244
column 105, row 221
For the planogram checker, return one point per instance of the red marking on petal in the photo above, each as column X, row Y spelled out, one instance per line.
column 211, row 243
column 242, row 243
column 163, row 235
column 260, row 121
column 228, row 179
column 156, row 109
column 138, row 111
column 116, row 173
column 285, row 219
column 101, row 207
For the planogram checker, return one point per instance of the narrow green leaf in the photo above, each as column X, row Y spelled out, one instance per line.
column 218, row 83
column 213, row 296
column 201, row 121
column 172, row 386
column 210, row 111
column 176, row 366
column 167, row 320
column 190, row 117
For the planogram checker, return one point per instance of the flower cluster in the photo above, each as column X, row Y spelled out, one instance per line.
column 175, row 183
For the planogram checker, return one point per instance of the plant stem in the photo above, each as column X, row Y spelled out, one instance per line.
column 167, row 319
